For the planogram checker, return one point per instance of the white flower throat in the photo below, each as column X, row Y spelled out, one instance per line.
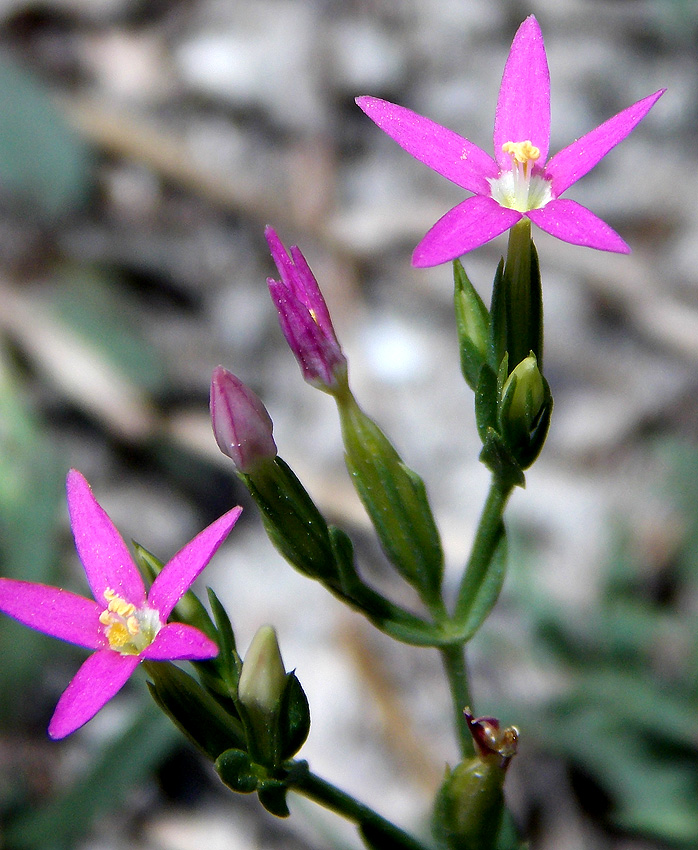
column 519, row 188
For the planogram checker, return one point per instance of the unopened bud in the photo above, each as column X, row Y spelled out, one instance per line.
column 263, row 677
column 524, row 411
column 241, row 424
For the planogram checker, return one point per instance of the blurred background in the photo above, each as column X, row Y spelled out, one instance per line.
column 143, row 147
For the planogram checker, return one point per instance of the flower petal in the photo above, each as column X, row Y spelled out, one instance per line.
column 574, row 223
column 452, row 156
column 523, row 106
column 468, row 225
column 178, row 574
column 107, row 561
column 59, row 613
column 574, row 161
column 96, row 682
column 179, row 642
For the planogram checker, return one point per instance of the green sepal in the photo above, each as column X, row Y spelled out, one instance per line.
column 235, row 770
column 472, row 325
column 294, row 718
column 228, row 661
column 498, row 319
column 272, row 795
column 486, row 402
column 499, row 460
column 194, row 710
column 291, row 520
column 480, row 590
column 395, row 499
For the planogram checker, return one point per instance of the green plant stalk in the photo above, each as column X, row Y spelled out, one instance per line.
column 453, row 658
column 486, row 538
column 365, row 818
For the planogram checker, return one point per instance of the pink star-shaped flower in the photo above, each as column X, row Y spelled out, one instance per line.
column 518, row 182
column 123, row 626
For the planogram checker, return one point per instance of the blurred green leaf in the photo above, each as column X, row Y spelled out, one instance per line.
column 42, row 160
column 99, row 309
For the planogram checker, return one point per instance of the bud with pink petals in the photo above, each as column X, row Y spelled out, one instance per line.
column 241, row 424
column 305, row 319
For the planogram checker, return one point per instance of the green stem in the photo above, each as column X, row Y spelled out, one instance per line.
column 381, row 831
column 453, row 657
column 488, row 534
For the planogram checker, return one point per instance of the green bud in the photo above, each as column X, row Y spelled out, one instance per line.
column 470, row 803
column 263, row 678
column 395, row 499
column 524, row 411
column 260, row 690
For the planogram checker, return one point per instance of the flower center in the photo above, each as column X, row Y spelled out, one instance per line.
column 128, row 629
column 518, row 188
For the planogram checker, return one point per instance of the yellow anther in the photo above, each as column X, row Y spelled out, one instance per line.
column 105, row 618
column 133, row 625
column 522, row 152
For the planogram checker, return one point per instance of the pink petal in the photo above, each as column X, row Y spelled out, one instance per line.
column 107, row 561
column 468, row 225
column 452, row 156
column 55, row 612
column 574, row 161
column 96, row 682
column 523, row 106
column 179, row 642
column 178, row 574
column 574, row 223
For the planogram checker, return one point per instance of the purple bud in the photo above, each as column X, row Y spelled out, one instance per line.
column 304, row 318
column 241, row 424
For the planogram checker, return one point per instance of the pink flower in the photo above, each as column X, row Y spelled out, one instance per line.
column 123, row 626
column 519, row 181
column 304, row 317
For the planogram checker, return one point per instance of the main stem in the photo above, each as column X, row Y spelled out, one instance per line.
column 489, row 531
column 453, row 658
column 365, row 818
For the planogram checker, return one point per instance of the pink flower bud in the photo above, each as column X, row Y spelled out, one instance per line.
column 241, row 424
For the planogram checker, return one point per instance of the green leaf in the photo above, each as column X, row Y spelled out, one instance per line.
column 42, row 159
column 235, row 770
column 193, row 710
column 272, row 795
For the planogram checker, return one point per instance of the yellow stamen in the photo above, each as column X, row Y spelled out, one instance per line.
column 133, row 625
column 522, row 152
